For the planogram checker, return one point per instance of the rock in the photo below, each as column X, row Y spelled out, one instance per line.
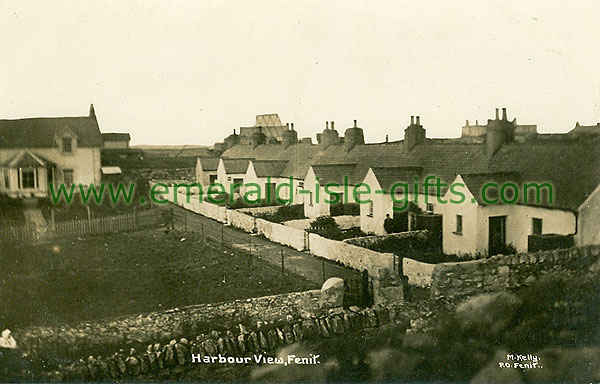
column 221, row 345
column 121, row 366
column 594, row 269
column 209, row 347
column 371, row 318
column 288, row 334
column 487, row 314
column 241, row 343
column 280, row 336
column 169, row 353
column 272, row 338
column 182, row 352
column 112, row 368
column 309, row 329
column 255, row 341
column 298, row 335
column 332, row 293
column 337, row 324
column 263, row 341
column 323, row 327
column 144, row 364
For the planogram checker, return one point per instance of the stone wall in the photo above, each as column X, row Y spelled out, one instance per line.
column 507, row 272
column 167, row 358
column 257, row 210
column 136, row 331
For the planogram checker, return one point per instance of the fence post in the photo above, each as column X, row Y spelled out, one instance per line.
column 221, row 235
column 52, row 223
column 323, row 261
column 202, row 231
column 184, row 221
column 282, row 264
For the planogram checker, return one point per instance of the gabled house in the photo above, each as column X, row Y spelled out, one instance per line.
column 37, row 152
column 206, row 171
column 588, row 220
column 264, row 178
column 115, row 141
column 230, row 174
column 321, row 183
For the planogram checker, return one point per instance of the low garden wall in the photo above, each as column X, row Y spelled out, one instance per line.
column 257, row 210
column 506, row 272
column 350, row 255
column 365, row 241
column 292, row 237
column 240, row 220
column 344, row 222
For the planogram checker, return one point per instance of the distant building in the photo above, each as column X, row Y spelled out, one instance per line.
column 117, row 141
column 37, row 152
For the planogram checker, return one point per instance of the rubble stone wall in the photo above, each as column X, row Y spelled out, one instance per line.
column 506, row 272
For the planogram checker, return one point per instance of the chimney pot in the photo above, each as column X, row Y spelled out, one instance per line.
column 332, row 124
column 287, row 126
column 497, row 113
column 354, row 123
column 467, row 123
column 327, row 125
column 412, row 120
column 504, row 117
column 418, row 120
column 476, row 122
column 292, row 126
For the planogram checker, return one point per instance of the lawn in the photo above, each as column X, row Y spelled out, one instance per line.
column 85, row 279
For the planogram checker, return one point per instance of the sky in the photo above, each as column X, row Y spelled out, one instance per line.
column 189, row 72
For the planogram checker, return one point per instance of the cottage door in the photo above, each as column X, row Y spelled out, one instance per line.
column 497, row 235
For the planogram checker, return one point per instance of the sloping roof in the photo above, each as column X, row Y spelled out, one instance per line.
column 333, row 173
column 209, row 163
column 42, row 132
column 27, row 159
column 388, row 176
column 475, row 182
column 114, row 136
column 268, row 120
column 236, row 165
column 111, row 170
column 273, row 168
column 299, row 156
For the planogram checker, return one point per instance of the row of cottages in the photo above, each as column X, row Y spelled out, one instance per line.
column 37, row 152
column 499, row 152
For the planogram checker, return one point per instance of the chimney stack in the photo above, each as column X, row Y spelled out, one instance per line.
column 332, row 125
column 287, row 126
column 326, row 125
column 292, row 126
column 497, row 113
column 355, row 124
column 418, row 120
column 412, row 120
column 414, row 134
column 467, row 123
column 504, row 117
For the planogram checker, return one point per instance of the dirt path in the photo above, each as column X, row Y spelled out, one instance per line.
column 312, row 268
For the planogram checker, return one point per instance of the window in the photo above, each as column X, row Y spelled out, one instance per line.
column 459, row 225
column 67, row 177
column 27, row 178
column 370, row 207
column 310, row 199
column 212, row 179
column 67, row 145
column 430, row 207
column 536, row 226
column 6, row 177
column 237, row 183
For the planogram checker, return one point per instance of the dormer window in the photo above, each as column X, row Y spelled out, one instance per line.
column 67, row 145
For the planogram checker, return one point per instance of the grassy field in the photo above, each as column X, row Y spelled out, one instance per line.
column 84, row 279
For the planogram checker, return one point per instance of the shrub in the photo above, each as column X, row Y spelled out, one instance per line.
column 284, row 213
column 327, row 227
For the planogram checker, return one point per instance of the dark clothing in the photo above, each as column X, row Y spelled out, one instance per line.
column 388, row 225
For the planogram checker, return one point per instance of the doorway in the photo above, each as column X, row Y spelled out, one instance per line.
column 497, row 235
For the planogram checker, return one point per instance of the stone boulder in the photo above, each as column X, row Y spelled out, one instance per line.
column 332, row 293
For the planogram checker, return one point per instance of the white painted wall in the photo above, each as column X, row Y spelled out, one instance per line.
column 588, row 220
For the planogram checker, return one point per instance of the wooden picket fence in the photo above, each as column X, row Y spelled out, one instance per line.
column 77, row 228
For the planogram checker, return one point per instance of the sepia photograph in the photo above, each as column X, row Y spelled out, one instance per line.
column 199, row 191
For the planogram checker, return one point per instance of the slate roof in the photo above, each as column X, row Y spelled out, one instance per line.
column 476, row 182
column 299, row 156
column 236, row 165
column 41, row 132
column 114, row 136
column 273, row 168
column 209, row 163
column 388, row 176
column 333, row 173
